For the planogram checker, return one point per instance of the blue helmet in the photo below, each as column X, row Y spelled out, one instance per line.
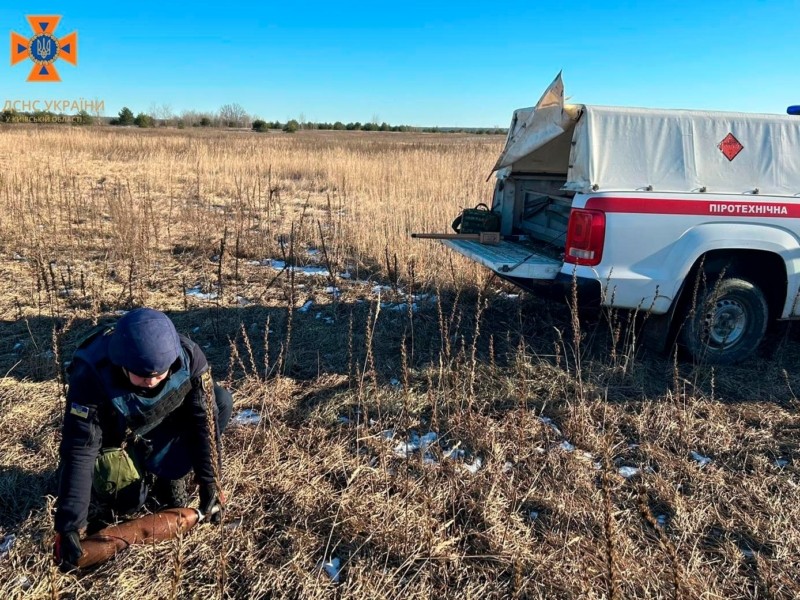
column 144, row 342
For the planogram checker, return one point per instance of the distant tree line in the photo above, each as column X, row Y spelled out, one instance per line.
column 228, row 116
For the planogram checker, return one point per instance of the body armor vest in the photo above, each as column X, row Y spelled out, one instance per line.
column 142, row 413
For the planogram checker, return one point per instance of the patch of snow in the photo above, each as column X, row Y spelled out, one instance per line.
column 345, row 275
column 280, row 265
column 508, row 296
column 215, row 258
column 402, row 306
column 6, row 544
column 508, row 466
column 475, row 466
column 321, row 271
column 17, row 346
column 312, row 252
column 566, row 446
column 242, row 301
column 18, row 256
column 197, row 292
column 549, row 422
column 414, row 443
column 195, row 329
column 454, row 452
column 387, row 434
column 248, row 417
column 628, row 472
column 332, row 567
column 344, row 420
column 700, row 459
column 661, row 520
column 747, row 552
column 780, row 463
column 533, row 515
column 23, row 582
column 306, row 306
column 395, row 382
column 336, row 292
column 377, row 289
column 120, row 313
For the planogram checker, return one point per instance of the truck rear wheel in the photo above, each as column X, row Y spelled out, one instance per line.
column 728, row 322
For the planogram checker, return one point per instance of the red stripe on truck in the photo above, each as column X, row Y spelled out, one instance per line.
column 717, row 208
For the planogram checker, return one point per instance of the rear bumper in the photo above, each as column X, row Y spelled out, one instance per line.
column 561, row 288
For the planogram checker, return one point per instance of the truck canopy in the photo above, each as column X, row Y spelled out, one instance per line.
column 598, row 148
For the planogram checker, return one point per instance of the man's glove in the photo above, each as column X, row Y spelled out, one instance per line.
column 67, row 550
column 212, row 502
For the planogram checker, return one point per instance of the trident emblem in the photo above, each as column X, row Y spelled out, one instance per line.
column 43, row 45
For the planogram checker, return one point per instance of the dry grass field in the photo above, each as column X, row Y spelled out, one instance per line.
column 422, row 426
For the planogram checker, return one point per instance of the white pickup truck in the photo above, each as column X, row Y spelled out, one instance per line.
column 692, row 215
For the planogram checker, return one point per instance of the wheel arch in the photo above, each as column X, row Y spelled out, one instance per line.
column 761, row 267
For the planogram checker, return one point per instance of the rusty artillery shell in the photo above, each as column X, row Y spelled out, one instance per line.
column 159, row 526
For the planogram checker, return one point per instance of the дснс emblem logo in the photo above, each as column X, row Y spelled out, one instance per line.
column 44, row 48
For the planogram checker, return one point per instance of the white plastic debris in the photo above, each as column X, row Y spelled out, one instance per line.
column 700, row 459
column 248, row 417
column 566, row 446
column 628, row 472
column 332, row 567
column 306, row 306
column 6, row 544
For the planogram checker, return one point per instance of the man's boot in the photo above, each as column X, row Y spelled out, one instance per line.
column 171, row 493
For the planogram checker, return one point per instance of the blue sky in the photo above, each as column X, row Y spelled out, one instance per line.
column 447, row 63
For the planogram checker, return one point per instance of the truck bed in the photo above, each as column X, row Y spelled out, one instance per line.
column 514, row 259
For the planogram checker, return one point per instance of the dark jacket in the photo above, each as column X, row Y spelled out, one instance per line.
column 91, row 422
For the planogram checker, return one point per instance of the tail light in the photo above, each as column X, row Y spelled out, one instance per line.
column 586, row 234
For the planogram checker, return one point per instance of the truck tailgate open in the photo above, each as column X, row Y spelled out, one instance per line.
column 508, row 258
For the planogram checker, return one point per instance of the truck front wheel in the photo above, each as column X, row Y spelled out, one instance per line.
column 727, row 323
